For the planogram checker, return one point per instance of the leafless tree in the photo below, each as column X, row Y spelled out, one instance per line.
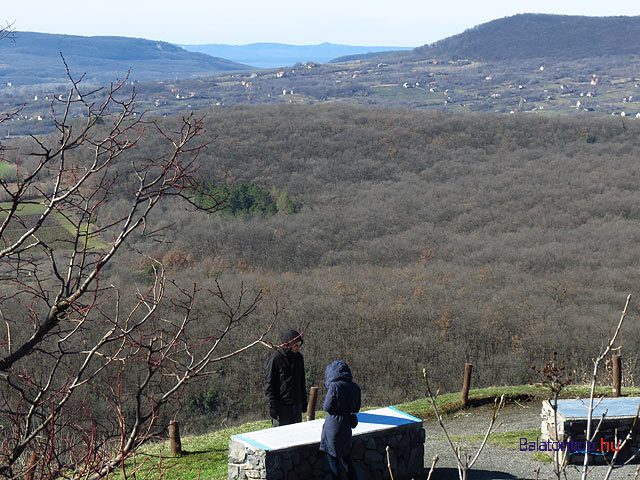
column 71, row 340
column 6, row 30
column 593, row 402
column 464, row 461
column 555, row 378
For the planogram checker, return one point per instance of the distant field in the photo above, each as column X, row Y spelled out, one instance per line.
column 57, row 231
column 7, row 170
column 399, row 92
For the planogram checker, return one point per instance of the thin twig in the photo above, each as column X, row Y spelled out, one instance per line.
column 463, row 466
column 596, row 365
column 433, row 465
column 389, row 463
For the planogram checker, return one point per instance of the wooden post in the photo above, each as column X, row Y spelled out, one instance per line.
column 174, row 438
column 466, row 385
column 617, row 375
column 313, row 400
column 31, row 466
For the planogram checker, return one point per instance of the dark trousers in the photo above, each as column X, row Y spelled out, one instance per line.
column 287, row 414
column 341, row 464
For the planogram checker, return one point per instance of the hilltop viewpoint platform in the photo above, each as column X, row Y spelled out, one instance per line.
column 291, row 452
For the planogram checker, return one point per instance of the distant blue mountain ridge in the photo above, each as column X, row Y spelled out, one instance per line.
column 274, row 55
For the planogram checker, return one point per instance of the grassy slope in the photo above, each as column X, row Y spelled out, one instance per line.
column 206, row 455
column 7, row 171
column 58, row 231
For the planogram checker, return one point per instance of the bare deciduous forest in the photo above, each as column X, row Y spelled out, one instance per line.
column 416, row 239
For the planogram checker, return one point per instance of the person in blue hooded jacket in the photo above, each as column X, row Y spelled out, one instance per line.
column 342, row 400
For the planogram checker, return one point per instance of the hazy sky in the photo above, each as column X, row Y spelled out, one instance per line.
column 354, row 22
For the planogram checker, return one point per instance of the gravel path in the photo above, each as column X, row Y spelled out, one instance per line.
column 498, row 462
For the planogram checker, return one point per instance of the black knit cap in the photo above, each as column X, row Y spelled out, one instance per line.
column 291, row 337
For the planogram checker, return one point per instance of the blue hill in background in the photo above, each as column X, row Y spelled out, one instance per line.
column 34, row 58
column 274, row 55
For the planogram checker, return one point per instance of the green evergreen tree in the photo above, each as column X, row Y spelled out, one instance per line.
column 285, row 204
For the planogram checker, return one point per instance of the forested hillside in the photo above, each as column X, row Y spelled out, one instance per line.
column 541, row 36
column 31, row 58
column 401, row 239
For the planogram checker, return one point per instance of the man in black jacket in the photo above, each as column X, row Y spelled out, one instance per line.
column 284, row 383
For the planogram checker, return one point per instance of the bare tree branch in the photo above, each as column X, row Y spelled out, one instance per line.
column 72, row 337
column 464, row 462
column 596, row 365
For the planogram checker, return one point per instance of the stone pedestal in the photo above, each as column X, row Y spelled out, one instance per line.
column 570, row 443
column 291, row 452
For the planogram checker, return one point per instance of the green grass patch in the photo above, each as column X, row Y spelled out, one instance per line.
column 57, row 231
column 510, row 440
column 449, row 403
column 25, row 208
column 7, row 171
column 582, row 391
column 401, row 93
column 205, row 456
column 542, row 457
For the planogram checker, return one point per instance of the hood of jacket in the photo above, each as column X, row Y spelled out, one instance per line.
column 336, row 371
